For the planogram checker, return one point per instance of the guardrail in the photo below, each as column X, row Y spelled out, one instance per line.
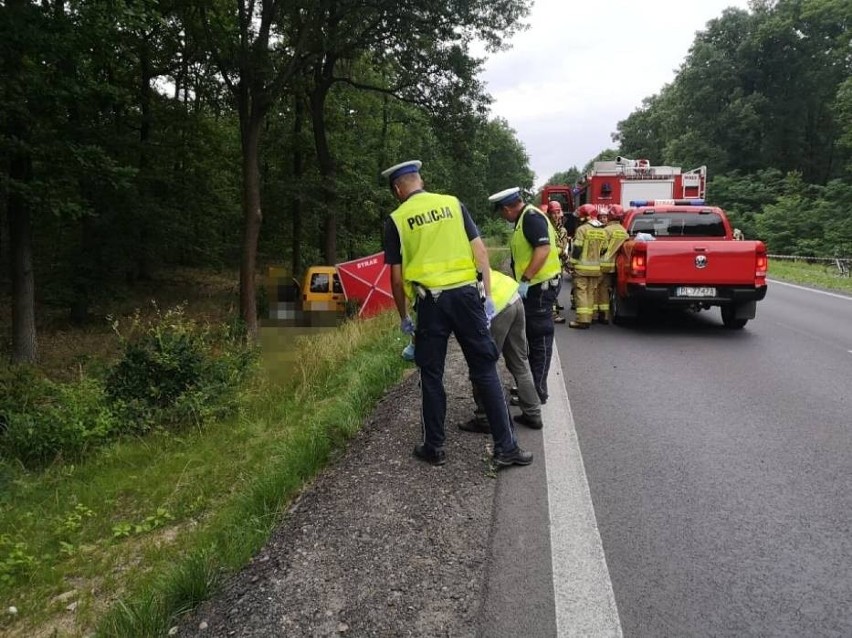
column 843, row 264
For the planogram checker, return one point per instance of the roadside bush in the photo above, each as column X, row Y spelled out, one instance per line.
column 175, row 371
column 43, row 420
column 496, row 229
column 172, row 371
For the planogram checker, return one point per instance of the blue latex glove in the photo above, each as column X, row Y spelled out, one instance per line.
column 408, row 352
column 407, row 326
column 523, row 289
column 490, row 310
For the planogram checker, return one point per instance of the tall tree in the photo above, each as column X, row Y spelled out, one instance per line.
column 259, row 46
column 426, row 51
column 20, row 26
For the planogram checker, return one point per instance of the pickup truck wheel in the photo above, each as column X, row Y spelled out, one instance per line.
column 621, row 311
column 729, row 318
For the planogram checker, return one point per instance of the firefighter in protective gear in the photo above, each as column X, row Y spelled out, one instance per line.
column 536, row 266
column 588, row 246
column 554, row 213
column 616, row 236
column 436, row 255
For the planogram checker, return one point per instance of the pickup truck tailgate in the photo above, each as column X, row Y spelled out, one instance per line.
column 712, row 262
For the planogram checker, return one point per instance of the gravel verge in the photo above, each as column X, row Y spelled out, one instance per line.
column 381, row 544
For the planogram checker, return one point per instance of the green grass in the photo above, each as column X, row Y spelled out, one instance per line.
column 498, row 252
column 819, row 275
column 148, row 528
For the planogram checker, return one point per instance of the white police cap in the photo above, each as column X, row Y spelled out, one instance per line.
column 505, row 197
column 398, row 170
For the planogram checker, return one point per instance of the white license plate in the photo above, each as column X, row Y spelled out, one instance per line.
column 691, row 291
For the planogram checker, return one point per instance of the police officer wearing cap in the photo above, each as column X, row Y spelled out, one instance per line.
column 536, row 266
column 437, row 260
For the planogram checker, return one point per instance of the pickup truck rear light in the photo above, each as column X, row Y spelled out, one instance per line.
column 638, row 260
column 761, row 264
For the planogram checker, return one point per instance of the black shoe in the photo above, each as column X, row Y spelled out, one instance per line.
column 559, row 306
column 515, row 457
column 513, row 390
column 513, row 400
column 531, row 422
column 475, row 425
column 434, row 457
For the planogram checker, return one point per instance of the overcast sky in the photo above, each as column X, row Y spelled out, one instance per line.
column 583, row 66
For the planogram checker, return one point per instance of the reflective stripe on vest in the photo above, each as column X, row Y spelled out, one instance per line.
column 435, row 249
column 503, row 288
column 522, row 250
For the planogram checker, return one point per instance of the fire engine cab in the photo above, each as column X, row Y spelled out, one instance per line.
column 625, row 180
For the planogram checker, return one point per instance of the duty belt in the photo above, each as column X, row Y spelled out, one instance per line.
column 547, row 284
column 423, row 291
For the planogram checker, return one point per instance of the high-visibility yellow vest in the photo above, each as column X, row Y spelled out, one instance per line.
column 616, row 235
column 592, row 242
column 503, row 288
column 522, row 250
column 436, row 252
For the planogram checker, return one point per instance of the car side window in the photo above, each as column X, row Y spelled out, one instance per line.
column 319, row 282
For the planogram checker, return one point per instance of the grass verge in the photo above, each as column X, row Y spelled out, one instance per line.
column 818, row 275
column 146, row 529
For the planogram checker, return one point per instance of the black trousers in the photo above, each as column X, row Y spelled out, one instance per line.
column 459, row 311
column 538, row 307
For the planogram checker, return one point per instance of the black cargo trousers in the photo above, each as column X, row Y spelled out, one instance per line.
column 538, row 307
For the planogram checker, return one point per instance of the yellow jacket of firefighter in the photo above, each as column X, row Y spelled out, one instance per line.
column 590, row 243
column 616, row 236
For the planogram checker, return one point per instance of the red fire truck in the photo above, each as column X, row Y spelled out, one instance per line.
column 624, row 180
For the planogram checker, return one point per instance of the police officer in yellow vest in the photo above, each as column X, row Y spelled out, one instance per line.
column 436, row 255
column 588, row 246
column 616, row 236
column 536, row 266
column 508, row 328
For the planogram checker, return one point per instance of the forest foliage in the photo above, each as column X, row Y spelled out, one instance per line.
column 764, row 100
column 137, row 136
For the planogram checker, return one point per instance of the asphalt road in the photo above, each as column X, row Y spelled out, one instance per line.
column 720, row 466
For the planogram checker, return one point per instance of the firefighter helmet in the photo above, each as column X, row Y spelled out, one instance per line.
column 554, row 207
column 616, row 212
column 587, row 210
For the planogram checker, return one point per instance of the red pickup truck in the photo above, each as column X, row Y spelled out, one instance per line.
column 684, row 254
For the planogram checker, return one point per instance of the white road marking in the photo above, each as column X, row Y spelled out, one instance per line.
column 584, row 599
column 821, row 292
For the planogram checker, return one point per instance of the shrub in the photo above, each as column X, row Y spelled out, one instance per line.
column 175, row 371
column 172, row 371
column 496, row 229
column 50, row 419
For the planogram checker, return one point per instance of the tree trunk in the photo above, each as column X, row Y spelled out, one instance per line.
column 327, row 169
column 143, row 250
column 250, row 126
column 298, row 173
column 24, row 348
